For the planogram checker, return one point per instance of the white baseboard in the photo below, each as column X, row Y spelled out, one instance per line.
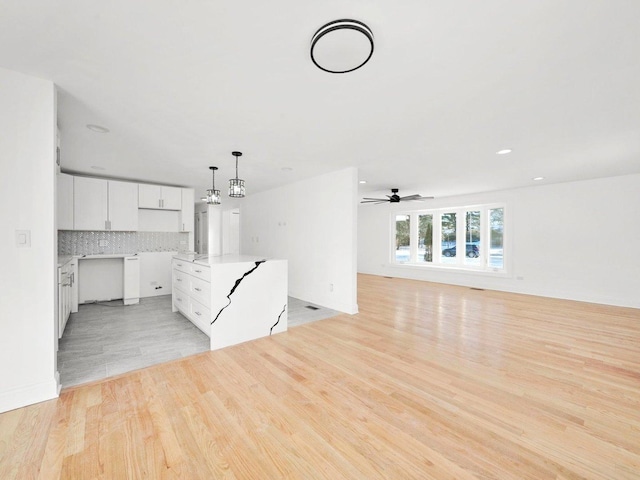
column 28, row 395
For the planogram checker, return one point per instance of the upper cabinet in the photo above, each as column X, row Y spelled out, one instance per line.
column 64, row 202
column 188, row 210
column 104, row 204
column 123, row 206
column 159, row 197
column 90, row 203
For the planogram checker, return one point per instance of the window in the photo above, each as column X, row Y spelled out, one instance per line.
column 496, row 238
column 425, row 238
column 403, row 228
column 468, row 238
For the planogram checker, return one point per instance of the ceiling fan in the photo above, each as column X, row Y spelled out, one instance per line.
column 395, row 198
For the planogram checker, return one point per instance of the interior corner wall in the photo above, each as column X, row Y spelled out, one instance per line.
column 27, row 201
column 575, row 240
column 313, row 224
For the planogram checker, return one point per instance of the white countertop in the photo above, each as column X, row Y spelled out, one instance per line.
column 210, row 260
column 106, row 255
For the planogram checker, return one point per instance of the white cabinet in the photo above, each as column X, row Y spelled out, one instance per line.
column 73, row 280
column 64, row 201
column 188, row 210
column 159, row 197
column 123, row 206
column 90, row 203
column 65, row 295
column 191, row 293
column 131, row 294
column 104, row 204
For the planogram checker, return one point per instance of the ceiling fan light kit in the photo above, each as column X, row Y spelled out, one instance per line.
column 395, row 198
column 342, row 46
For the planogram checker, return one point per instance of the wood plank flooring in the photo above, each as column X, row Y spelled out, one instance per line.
column 428, row 381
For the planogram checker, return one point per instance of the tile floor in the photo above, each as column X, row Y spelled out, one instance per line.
column 108, row 339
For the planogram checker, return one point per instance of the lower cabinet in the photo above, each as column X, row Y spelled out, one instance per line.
column 191, row 293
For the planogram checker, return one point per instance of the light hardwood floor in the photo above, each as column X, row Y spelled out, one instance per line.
column 428, row 381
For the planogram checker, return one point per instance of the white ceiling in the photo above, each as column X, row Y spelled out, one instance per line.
column 181, row 84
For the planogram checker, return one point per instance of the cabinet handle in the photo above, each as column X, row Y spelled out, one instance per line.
column 73, row 278
column 197, row 289
column 178, row 279
column 198, row 271
column 179, row 299
column 197, row 313
column 179, row 264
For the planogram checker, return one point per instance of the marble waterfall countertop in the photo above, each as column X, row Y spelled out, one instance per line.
column 210, row 260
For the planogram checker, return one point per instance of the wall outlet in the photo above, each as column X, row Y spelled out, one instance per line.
column 331, row 287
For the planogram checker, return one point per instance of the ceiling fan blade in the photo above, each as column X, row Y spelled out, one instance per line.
column 410, row 197
column 378, row 199
column 425, row 198
column 374, row 201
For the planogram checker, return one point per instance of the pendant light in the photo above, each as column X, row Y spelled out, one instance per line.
column 236, row 185
column 213, row 195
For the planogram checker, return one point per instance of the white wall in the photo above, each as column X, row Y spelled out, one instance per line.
column 155, row 273
column 28, row 278
column 578, row 240
column 313, row 225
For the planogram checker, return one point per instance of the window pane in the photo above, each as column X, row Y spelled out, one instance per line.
column 425, row 238
column 448, row 237
column 496, row 238
column 403, row 229
column 472, row 238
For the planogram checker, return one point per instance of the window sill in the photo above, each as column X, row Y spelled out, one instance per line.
column 451, row 269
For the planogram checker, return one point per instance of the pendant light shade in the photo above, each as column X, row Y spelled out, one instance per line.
column 213, row 195
column 236, row 185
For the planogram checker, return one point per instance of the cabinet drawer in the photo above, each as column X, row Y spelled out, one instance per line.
column 200, row 290
column 181, row 280
column 200, row 271
column 200, row 315
column 181, row 301
column 182, row 265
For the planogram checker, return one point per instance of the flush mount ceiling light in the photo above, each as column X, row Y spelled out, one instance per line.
column 236, row 185
column 97, row 128
column 342, row 46
column 504, row 151
column 213, row 195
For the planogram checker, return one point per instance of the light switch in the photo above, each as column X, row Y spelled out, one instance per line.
column 23, row 238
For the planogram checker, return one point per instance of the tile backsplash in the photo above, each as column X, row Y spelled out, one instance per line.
column 74, row 242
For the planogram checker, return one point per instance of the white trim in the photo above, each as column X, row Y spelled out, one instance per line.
column 28, row 395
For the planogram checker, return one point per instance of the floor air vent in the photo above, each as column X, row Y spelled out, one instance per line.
column 311, row 307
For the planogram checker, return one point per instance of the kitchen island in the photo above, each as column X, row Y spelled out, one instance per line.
column 231, row 298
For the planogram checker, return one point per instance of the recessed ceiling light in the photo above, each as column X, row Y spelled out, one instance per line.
column 363, row 181
column 538, row 178
column 96, row 167
column 504, row 151
column 97, row 128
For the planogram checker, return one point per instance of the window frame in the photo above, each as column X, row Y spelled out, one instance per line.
column 460, row 264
